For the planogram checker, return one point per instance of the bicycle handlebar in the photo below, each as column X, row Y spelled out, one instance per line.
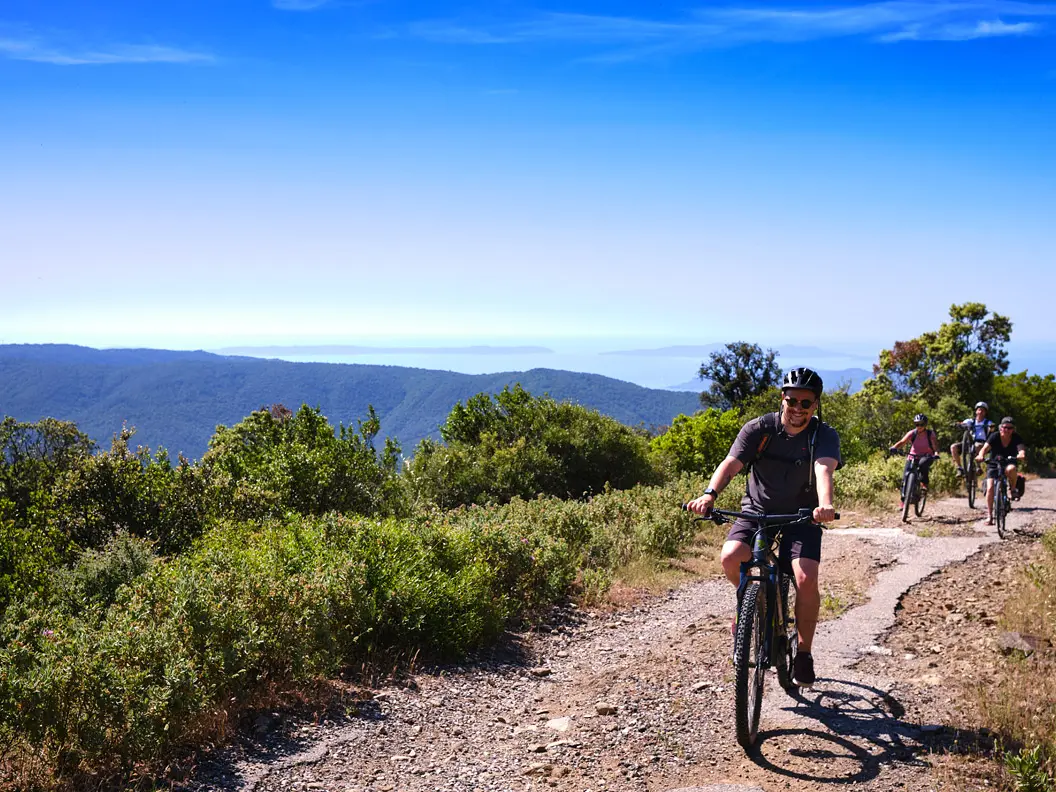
column 720, row 516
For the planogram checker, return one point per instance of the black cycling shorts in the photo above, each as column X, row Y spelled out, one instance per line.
column 803, row 541
column 994, row 467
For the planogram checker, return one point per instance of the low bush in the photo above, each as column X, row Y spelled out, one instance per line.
column 870, row 483
column 697, row 443
column 514, row 445
column 877, row 481
column 275, row 461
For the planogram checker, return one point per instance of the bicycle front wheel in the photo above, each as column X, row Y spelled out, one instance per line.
column 908, row 493
column 748, row 657
column 785, row 654
column 920, row 500
column 1001, row 509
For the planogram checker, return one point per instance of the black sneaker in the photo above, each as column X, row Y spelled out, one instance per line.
column 960, row 472
column 803, row 669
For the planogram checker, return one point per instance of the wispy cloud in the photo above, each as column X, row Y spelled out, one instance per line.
column 981, row 29
column 32, row 49
column 885, row 22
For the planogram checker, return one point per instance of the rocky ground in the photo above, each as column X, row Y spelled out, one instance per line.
column 642, row 699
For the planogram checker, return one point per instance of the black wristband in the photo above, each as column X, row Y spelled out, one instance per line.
column 711, row 491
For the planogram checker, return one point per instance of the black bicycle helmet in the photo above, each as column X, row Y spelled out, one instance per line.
column 920, row 418
column 1007, row 421
column 984, row 405
column 804, row 378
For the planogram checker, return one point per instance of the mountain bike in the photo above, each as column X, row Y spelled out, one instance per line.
column 1002, row 503
column 971, row 468
column 914, row 493
column 766, row 635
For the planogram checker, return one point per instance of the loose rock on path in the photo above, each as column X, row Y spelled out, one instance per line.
column 643, row 699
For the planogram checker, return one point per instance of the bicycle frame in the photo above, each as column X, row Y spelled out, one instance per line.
column 766, row 545
column 766, row 548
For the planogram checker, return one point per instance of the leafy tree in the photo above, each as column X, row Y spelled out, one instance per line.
column 961, row 358
column 1031, row 401
column 738, row 374
column 515, row 445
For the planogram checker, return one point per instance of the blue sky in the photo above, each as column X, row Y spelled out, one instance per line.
column 194, row 173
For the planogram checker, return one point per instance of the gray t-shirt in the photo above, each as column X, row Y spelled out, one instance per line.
column 780, row 479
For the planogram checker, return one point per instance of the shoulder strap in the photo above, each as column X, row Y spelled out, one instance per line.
column 769, row 424
column 813, row 443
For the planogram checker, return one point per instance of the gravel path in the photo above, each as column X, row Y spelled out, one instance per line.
column 639, row 700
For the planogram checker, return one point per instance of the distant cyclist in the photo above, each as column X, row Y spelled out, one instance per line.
column 981, row 428
column 1003, row 443
column 923, row 445
column 792, row 455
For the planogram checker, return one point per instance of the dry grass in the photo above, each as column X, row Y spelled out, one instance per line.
column 649, row 576
column 1019, row 703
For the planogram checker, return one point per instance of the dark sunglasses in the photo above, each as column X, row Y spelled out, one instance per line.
column 806, row 404
column 920, row 424
column 1009, row 427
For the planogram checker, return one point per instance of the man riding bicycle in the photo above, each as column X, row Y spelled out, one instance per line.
column 791, row 456
column 923, row 444
column 981, row 428
column 1002, row 445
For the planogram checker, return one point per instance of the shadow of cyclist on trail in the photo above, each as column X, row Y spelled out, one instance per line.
column 859, row 729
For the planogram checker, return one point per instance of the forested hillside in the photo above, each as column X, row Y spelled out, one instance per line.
column 177, row 399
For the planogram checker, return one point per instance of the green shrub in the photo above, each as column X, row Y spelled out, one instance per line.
column 869, row 483
column 275, row 460
column 698, row 443
column 29, row 550
column 135, row 492
column 1027, row 768
column 513, row 445
column 98, row 575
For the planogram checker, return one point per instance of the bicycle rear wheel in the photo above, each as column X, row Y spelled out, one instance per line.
column 1001, row 508
column 908, row 491
column 785, row 654
column 748, row 657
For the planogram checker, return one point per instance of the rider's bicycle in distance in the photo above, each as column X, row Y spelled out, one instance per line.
column 971, row 467
column 765, row 636
column 1002, row 501
column 914, row 490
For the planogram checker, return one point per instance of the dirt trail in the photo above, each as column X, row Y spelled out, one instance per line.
column 642, row 700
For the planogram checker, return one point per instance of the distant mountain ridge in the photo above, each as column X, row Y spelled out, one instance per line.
column 176, row 399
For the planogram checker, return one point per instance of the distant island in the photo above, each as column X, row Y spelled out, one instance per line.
column 703, row 350
column 343, row 349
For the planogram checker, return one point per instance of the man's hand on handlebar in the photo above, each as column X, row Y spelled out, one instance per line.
column 701, row 505
column 824, row 514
